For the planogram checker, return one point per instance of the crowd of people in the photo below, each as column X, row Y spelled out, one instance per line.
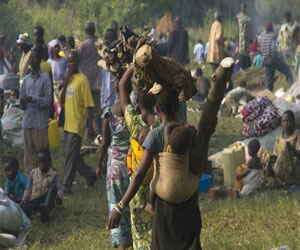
column 138, row 130
column 264, row 49
column 69, row 73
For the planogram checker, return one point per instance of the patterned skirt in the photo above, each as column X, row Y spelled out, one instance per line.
column 141, row 221
column 117, row 182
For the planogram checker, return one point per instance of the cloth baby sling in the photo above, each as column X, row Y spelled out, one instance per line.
column 172, row 180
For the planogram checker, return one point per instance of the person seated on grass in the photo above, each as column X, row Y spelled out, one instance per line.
column 15, row 182
column 43, row 187
column 253, row 174
column 177, row 140
column 282, row 167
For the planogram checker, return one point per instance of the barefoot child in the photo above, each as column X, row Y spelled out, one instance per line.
column 43, row 187
column 253, row 174
column 15, row 182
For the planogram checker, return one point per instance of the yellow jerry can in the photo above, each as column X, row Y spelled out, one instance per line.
column 53, row 133
column 232, row 157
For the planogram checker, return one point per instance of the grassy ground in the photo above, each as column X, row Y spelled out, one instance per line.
column 262, row 222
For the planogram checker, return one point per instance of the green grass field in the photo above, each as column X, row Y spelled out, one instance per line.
column 267, row 220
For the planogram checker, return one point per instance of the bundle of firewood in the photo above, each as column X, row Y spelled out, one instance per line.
column 164, row 71
column 117, row 58
column 150, row 68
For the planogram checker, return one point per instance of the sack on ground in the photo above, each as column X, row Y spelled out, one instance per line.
column 12, row 131
column 13, row 219
column 172, row 180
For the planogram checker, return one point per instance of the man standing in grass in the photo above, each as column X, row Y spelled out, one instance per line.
column 272, row 60
column 216, row 51
column 178, row 46
column 36, row 94
column 245, row 37
column 78, row 100
column 88, row 65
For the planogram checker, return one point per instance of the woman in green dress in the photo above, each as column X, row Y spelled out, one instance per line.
column 141, row 221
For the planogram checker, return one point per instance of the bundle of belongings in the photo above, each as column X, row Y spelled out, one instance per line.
column 11, row 123
column 14, row 224
column 236, row 99
column 260, row 116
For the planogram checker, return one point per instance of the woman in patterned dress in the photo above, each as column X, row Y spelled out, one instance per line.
column 141, row 221
column 115, row 143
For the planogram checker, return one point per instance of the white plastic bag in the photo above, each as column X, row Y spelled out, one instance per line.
column 13, row 221
column 11, row 218
column 12, row 126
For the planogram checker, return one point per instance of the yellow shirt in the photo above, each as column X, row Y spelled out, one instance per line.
column 78, row 99
column 24, row 64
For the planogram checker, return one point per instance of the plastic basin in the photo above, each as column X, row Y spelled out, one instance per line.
column 204, row 183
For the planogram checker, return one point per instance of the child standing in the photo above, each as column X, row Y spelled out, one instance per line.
column 253, row 174
column 15, row 182
column 43, row 187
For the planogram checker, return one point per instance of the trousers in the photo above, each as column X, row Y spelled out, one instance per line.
column 282, row 67
column 48, row 199
column 75, row 162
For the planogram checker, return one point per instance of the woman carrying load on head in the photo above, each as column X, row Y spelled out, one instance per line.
column 175, row 225
column 141, row 221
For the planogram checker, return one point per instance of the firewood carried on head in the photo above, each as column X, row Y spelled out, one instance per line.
column 164, row 71
column 117, row 57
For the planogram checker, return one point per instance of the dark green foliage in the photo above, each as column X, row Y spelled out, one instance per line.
column 68, row 17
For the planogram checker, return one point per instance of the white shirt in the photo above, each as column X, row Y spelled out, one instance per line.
column 199, row 52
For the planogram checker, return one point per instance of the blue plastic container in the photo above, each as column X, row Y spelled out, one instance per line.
column 204, row 183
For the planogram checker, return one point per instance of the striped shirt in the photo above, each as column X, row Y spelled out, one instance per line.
column 267, row 43
column 36, row 113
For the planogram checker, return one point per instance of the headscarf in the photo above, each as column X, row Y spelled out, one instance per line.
column 23, row 39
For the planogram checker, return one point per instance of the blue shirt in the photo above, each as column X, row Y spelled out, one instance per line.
column 155, row 139
column 16, row 187
column 108, row 91
column 36, row 113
